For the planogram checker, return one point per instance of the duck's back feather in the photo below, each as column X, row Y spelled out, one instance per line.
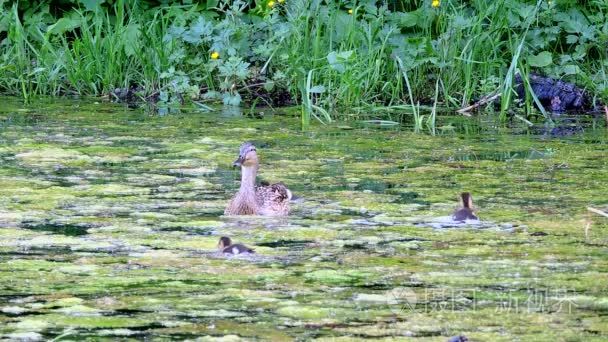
column 270, row 200
column 273, row 199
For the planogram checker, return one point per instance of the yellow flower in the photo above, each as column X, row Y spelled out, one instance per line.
column 215, row 55
column 435, row 3
column 270, row 4
column 350, row 11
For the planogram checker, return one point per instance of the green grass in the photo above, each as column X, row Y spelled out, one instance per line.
column 337, row 59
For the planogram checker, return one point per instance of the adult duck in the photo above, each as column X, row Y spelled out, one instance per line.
column 266, row 200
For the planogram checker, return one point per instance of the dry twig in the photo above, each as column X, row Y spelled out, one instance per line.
column 597, row 211
column 486, row 99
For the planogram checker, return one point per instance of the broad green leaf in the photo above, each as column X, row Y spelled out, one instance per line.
column 461, row 22
column 525, row 11
column 63, row 25
column 338, row 67
column 4, row 20
column 343, row 25
column 332, row 57
column 131, row 38
column 563, row 59
column 369, row 6
column 269, row 86
column 406, row 19
column 212, row 95
column 212, row 3
column 199, row 31
column 336, row 59
column 580, row 51
column 234, row 67
column 91, row 5
column 572, row 21
column 176, row 31
column 571, row 69
column 163, row 96
column 344, row 55
column 318, row 89
column 543, row 59
column 571, row 39
column 232, row 100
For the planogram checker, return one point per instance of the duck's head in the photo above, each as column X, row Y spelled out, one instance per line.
column 224, row 242
column 247, row 156
column 467, row 199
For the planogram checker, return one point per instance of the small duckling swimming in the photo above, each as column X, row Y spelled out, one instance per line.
column 459, row 338
column 466, row 212
column 225, row 246
column 266, row 200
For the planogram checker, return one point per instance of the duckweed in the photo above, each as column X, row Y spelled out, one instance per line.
column 109, row 224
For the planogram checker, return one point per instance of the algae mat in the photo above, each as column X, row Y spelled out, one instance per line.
column 110, row 217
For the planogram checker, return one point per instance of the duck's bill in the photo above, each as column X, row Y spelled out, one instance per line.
column 238, row 162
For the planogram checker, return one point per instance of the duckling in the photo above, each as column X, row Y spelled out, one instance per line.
column 466, row 212
column 225, row 246
column 459, row 338
column 266, row 200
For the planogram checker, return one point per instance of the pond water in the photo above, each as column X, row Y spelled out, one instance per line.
column 110, row 218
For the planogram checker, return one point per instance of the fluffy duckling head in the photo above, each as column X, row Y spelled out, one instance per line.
column 467, row 200
column 224, row 242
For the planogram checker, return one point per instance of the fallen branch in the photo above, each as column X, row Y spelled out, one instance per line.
column 484, row 100
column 597, row 211
column 523, row 119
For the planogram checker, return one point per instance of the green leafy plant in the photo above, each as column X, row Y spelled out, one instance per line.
column 329, row 56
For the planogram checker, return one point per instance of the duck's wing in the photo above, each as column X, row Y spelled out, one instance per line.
column 273, row 199
column 293, row 197
column 276, row 192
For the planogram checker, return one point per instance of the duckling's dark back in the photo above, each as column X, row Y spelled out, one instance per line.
column 459, row 338
column 464, row 214
column 237, row 248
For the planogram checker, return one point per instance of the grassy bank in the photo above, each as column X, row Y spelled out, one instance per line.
column 327, row 55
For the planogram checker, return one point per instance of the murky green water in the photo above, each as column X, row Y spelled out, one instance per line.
column 110, row 219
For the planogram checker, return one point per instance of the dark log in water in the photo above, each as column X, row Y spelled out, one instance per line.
column 555, row 95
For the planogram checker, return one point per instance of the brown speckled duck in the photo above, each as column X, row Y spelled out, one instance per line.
column 266, row 200
column 466, row 211
column 226, row 246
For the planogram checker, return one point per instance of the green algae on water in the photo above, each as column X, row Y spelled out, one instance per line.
column 109, row 224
